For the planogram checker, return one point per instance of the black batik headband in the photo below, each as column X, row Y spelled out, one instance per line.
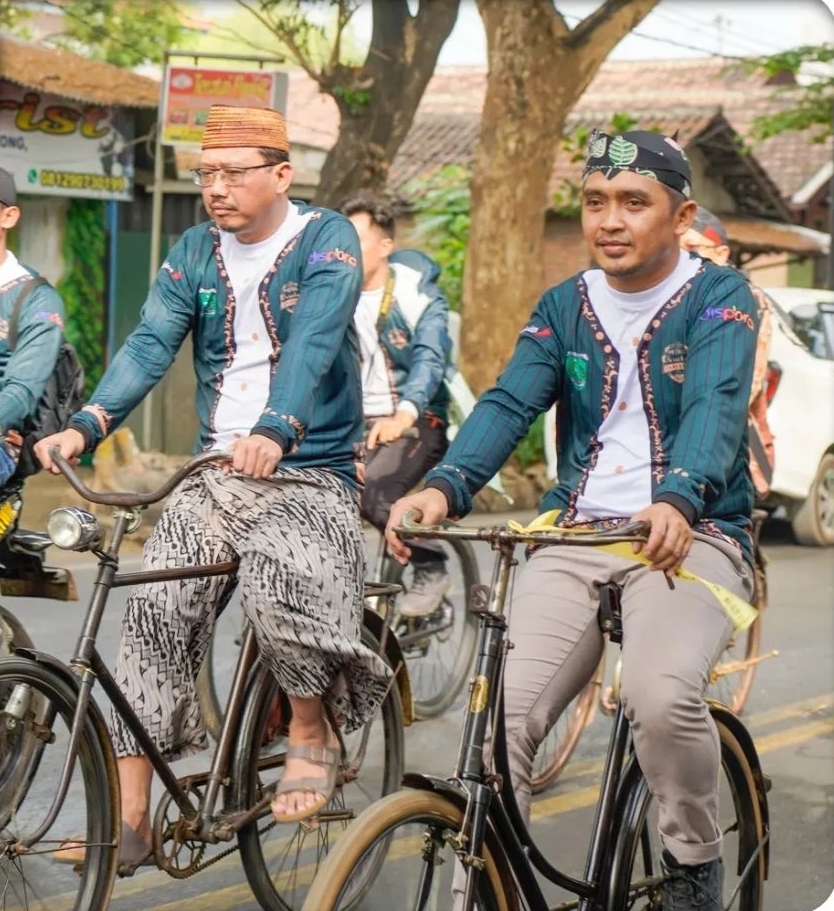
column 643, row 152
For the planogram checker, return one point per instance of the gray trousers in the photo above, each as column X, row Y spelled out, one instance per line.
column 671, row 641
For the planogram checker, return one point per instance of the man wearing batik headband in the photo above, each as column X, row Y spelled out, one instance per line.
column 650, row 359
column 269, row 287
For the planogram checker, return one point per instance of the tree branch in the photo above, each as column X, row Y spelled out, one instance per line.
column 287, row 37
column 607, row 24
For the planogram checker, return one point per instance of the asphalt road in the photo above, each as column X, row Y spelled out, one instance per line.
column 790, row 714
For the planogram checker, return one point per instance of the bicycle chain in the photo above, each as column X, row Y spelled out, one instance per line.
column 202, row 865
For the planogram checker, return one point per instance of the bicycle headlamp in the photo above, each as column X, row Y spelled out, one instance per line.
column 72, row 528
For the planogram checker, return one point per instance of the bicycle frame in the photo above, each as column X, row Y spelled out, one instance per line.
column 87, row 665
column 481, row 787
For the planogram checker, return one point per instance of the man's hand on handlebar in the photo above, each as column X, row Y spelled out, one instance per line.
column 70, row 443
column 430, row 506
column 670, row 536
column 388, row 430
column 256, row 456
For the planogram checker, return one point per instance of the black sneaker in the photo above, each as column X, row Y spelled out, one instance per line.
column 693, row 888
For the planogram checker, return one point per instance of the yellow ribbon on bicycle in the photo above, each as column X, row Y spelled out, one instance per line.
column 739, row 611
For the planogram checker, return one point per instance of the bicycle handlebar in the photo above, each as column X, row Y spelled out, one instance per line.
column 130, row 498
column 631, row 531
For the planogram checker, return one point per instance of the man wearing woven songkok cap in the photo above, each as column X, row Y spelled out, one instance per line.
column 650, row 359
column 267, row 288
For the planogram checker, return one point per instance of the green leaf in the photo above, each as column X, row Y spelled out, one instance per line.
column 622, row 152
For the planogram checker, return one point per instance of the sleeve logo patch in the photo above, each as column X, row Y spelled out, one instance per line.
column 729, row 315
column 329, row 256
column 537, row 331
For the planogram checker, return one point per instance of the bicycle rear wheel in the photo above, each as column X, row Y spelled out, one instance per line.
column 439, row 649
column 732, row 678
column 637, row 877
column 398, row 854
column 215, row 676
column 557, row 747
column 281, row 860
column 36, row 711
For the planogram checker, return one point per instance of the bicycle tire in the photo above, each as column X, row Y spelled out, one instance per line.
column 439, row 664
column 557, row 748
column 32, row 875
column 211, row 708
column 16, row 760
column 372, row 836
column 745, row 833
column 251, row 762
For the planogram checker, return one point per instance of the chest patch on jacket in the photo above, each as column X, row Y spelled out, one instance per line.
column 576, row 367
column 673, row 360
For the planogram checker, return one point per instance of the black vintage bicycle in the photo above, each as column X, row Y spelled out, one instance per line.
column 406, row 849
column 47, row 712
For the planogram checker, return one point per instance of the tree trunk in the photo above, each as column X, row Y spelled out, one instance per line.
column 377, row 101
column 538, row 69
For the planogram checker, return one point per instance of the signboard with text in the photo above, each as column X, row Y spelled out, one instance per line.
column 189, row 92
column 55, row 146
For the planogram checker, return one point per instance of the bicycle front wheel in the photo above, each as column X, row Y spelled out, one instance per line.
column 36, row 712
column 16, row 761
column 281, row 860
column 399, row 854
column 439, row 648
column 637, row 877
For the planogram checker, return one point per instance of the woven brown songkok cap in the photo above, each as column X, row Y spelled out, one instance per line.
column 229, row 126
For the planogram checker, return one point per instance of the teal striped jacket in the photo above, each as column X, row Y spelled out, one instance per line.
column 695, row 364
column 314, row 408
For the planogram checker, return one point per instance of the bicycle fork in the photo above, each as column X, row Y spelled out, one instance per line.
column 484, row 700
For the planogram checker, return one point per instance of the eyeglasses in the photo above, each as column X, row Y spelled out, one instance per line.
column 232, row 177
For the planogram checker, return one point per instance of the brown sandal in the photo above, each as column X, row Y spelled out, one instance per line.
column 329, row 757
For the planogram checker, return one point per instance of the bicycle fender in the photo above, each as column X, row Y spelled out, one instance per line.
column 446, row 789
column 94, row 714
column 723, row 716
column 394, row 656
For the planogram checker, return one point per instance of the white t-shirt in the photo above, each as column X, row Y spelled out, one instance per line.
column 11, row 269
column 377, row 398
column 246, row 380
column 620, row 482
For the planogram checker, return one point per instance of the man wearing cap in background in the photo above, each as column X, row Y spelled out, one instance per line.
column 708, row 238
column 31, row 332
column 268, row 289
column 652, row 387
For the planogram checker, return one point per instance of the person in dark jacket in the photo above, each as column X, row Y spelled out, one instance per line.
column 404, row 343
column 31, row 332
column 267, row 291
column 650, row 358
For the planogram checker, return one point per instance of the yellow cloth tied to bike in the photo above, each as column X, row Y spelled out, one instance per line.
column 739, row 611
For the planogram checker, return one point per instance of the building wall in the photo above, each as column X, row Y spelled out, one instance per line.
column 40, row 234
